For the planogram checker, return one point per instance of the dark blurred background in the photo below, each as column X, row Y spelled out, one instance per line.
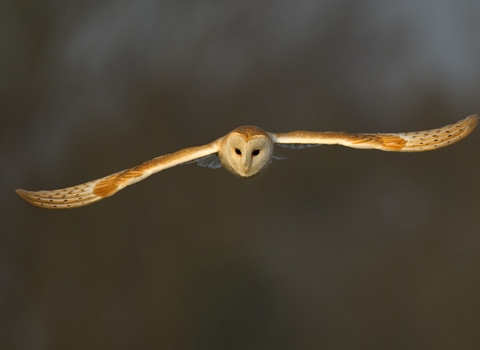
column 334, row 248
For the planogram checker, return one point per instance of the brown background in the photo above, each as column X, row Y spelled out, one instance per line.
column 333, row 248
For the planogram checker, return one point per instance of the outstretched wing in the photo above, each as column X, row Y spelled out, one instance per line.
column 93, row 191
column 401, row 142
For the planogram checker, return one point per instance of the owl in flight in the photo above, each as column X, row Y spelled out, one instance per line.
column 245, row 152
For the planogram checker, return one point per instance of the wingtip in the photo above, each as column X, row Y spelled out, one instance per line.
column 21, row 192
column 473, row 119
column 24, row 194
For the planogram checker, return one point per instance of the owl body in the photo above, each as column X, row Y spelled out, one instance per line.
column 245, row 152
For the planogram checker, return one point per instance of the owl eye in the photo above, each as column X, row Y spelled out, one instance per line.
column 237, row 151
column 256, row 152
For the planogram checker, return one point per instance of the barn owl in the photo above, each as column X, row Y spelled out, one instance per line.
column 245, row 151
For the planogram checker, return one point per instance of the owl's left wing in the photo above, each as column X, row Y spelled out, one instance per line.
column 418, row 141
column 93, row 191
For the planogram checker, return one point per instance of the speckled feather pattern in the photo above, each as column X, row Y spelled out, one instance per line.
column 432, row 139
column 70, row 197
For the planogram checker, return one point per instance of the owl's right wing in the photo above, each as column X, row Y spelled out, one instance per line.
column 93, row 191
column 418, row 141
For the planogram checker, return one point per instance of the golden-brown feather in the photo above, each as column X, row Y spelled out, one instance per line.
column 70, row 197
column 436, row 138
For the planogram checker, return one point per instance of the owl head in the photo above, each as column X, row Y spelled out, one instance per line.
column 246, row 151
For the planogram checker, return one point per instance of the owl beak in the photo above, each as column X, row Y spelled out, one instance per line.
column 247, row 163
